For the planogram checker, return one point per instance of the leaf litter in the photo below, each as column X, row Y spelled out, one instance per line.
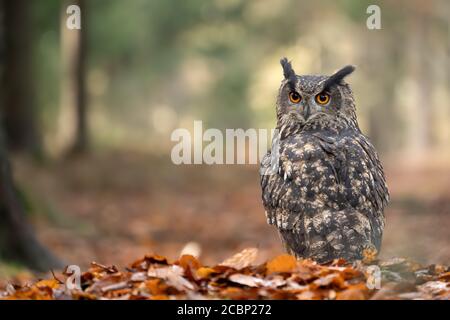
column 154, row 277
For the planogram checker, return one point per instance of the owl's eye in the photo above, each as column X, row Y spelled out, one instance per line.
column 323, row 98
column 295, row 97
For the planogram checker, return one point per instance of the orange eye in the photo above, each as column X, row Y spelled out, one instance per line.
column 323, row 98
column 295, row 97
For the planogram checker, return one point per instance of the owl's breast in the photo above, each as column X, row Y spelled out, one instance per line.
column 315, row 172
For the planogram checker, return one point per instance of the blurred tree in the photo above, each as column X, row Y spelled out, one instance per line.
column 17, row 238
column 19, row 108
column 421, row 14
column 73, row 82
column 18, row 241
column 79, row 70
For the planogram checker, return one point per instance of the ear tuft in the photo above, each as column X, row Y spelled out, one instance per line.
column 338, row 76
column 287, row 68
column 288, row 72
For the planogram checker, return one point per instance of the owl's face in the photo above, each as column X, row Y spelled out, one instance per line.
column 311, row 97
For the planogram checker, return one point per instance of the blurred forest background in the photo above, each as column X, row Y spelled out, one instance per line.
column 87, row 116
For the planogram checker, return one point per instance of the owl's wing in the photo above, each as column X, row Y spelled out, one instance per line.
column 283, row 189
column 370, row 170
column 358, row 171
column 362, row 195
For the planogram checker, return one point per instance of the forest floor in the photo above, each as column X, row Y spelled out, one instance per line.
column 115, row 207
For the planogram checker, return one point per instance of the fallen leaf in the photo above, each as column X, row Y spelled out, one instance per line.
column 173, row 275
column 51, row 283
column 246, row 280
column 306, row 295
column 434, row 287
column 160, row 297
column 356, row 292
column 138, row 276
column 445, row 277
column 332, row 279
column 241, row 260
column 115, row 286
column 283, row 263
column 205, row 272
column 189, row 262
column 156, row 286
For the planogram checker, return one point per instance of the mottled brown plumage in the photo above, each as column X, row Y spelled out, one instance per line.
column 323, row 185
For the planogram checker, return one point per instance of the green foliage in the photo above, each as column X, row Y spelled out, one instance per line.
column 202, row 59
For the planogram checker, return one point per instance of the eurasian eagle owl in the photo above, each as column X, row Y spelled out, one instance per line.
column 322, row 183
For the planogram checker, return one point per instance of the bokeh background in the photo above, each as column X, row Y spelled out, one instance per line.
column 87, row 118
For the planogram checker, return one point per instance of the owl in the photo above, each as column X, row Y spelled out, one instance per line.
column 323, row 185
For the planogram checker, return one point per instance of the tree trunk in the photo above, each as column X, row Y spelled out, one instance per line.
column 81, row 135
column 19, row 101
column 17, row 238
column 73, row 121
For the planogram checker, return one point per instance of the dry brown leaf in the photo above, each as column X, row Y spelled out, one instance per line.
column 332, row 279
column 435, row 287
column 50, row 283
column 245, row 280
column 187, row 261
column 173, row 275
column 204, row 272
column 445, row 277
column 115, row 286
column 252, row 281
column 156, row 286
column 139, row 276
column 80, row 295
column 160, row 297
column 356, row 292
column 306, row 295
column 239, row 293
column 241, row 260
column 283, row 263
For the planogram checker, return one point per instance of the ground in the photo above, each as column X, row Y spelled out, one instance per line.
column 114, row 207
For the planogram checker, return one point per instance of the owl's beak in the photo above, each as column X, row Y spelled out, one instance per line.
column 306, row 111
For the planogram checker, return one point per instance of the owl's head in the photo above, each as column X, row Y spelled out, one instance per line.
column 315, row 98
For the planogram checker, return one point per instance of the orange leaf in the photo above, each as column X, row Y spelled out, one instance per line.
column 160, row 297
column 155, row 258
column 282, row 263
column 156, row 286
column 204, row 272
column 356, row 292
column 187, row 261
column 51, row 283
column 445, row 277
